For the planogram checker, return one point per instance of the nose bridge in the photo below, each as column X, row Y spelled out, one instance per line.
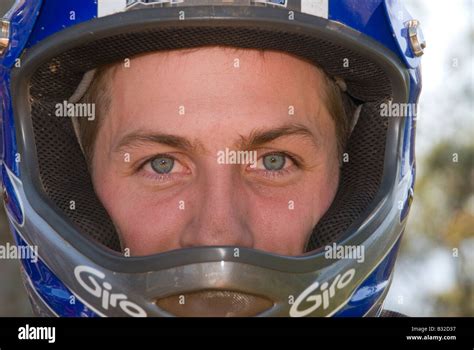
column 219, row 217
column 218, row 190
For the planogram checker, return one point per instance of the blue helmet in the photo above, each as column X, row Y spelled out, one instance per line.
column 46, row 49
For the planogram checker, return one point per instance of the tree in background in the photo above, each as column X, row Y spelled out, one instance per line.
column 446, row 192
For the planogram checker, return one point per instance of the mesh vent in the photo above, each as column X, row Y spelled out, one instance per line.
column 388, row 313
column 360, row 177
column 65, row 177
column 215, row 303
column 63, row 170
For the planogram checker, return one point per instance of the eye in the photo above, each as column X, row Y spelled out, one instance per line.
column 162, row 165
column 274, row 162
column 275, row 166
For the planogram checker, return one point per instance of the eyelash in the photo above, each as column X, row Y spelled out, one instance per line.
column 266, row 173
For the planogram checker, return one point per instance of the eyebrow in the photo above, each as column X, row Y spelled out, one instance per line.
column 140, row 137
column 255, row 139
column 260, row 137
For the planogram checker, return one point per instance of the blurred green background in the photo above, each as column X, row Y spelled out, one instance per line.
column 434, row 274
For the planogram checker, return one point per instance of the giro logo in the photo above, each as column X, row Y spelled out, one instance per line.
column 88, row 279
column 320, row 295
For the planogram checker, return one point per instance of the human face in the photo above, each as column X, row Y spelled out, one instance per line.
column 158, row 166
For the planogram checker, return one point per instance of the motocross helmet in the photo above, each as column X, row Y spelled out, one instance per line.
column 47, row 49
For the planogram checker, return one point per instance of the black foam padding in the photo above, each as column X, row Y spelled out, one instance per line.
column 360, row 177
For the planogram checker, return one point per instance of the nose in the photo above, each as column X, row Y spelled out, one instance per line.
column 219, row 218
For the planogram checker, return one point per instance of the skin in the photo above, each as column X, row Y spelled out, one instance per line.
column 240, row 105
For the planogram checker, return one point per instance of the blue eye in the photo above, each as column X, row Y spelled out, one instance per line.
column 274, row 162
column 162, row 165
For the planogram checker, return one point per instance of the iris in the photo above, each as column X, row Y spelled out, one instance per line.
column 274, row 162
column 162, row 165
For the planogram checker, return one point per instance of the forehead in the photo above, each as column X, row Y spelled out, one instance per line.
column 205, row 71
column 214, row 82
